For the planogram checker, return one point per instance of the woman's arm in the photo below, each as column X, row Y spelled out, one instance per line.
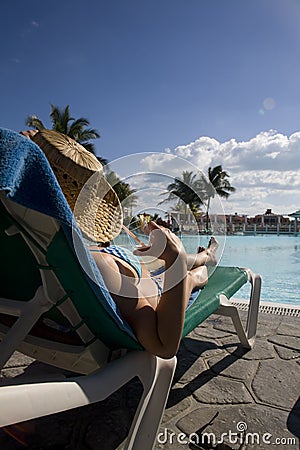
column 160, row 330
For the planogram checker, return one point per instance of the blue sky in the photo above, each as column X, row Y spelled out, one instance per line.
column 152, row 75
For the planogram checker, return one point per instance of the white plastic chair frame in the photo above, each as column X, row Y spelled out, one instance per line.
column 40, row 399
column 246, row 335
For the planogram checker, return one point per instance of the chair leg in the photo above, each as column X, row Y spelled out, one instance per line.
column 227, row 309
column 247, row 335
column 41, row 399
column 30, row 312
column 156, row 382
column 252, row 317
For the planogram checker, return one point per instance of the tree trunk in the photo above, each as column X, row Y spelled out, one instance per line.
column 207, row 215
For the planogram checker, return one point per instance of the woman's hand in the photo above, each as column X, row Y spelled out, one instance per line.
column 163, row 244
column 29, row 133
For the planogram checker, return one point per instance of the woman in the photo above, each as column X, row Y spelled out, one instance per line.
column 154, row 306
column 155, row 310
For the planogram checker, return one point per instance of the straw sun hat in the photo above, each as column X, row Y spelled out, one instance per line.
column 94, row 203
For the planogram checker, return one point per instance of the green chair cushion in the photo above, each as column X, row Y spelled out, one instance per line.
column 20, row 278
column 89, row 306
column 224, row 280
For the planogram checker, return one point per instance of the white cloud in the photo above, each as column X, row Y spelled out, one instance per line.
column 154, row 162
column 265, row 169
column 267, row 150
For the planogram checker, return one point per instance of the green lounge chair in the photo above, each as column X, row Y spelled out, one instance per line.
column 52, row 311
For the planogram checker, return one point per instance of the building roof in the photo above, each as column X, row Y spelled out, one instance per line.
column 295, row 214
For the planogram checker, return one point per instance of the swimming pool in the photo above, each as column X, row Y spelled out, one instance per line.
column 275, row 258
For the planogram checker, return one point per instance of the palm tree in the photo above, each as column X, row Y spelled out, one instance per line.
column 217, row 183
column 187, row 190
column 76, row 129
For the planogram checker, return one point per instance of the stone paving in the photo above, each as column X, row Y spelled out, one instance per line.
column 222, row 397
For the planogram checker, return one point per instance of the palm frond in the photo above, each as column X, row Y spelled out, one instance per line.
column 34, row 122
column 103, row 161
column 87, row 134
column 60, row 118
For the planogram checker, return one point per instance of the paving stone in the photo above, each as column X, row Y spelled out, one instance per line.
column 41, row 373
column 289, row 326
column 270, row 319
column 205, row 324
column 291, row 342
column 18, row 359
column 221, row 390
column 277, row 383
column 229, row 420
column 265, row 326
column 179, row 393
column 225, row 324
column 231, row 344
column 265, row 329
column 262, row 349
column 129, row 394
column 227, row 328
column 227, row 319
column 211, row 333
column 56, row 430
column 108, row 431
column 216, row 319
column 12, row 373
column 287, row 353
column 196, row 397
column 176, row 410
column 202, row 348
column 232, row 367
column 189, row 368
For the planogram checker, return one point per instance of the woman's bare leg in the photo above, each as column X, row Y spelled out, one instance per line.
column 198, row 277
column 206, row 257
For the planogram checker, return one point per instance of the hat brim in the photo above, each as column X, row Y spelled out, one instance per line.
column 95, row 205
column 98, row 211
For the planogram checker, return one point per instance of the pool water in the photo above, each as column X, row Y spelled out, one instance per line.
column 275, row 258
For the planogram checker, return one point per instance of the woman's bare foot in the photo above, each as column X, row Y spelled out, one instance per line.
column 29, row 133
column 206, row 257
column 211, row 252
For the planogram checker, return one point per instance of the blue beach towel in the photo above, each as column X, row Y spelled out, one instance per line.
column 27, row 179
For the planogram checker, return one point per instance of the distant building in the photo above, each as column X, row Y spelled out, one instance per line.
column 268, row 222
column 268, row 219
column 296, row 217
